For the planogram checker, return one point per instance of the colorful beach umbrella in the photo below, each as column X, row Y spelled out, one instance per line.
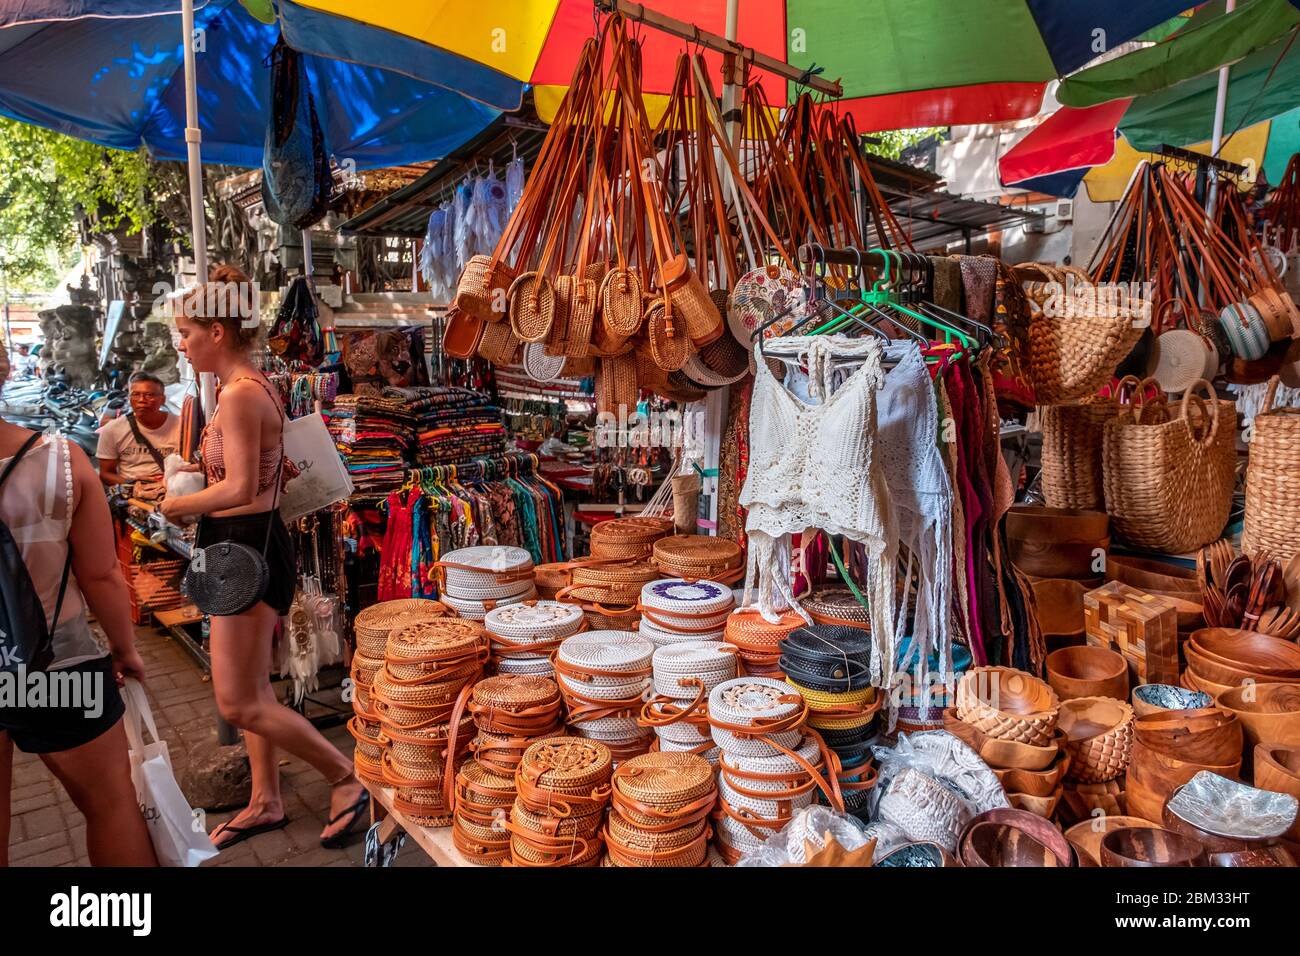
column 902, row 63
column 111, row 71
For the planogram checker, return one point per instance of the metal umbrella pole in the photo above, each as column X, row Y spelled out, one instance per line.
column 194, row 163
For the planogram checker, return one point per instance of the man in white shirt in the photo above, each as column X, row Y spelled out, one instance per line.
column 132, row 448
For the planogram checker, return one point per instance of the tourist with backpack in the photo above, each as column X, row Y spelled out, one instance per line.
column 57, row 561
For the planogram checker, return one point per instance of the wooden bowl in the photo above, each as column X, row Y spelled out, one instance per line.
column 1250, row 651
column 1056, row 542
column 1008, row 704
column 1209, row 736
column 1153, row 776
column 1042, row 806
column 1153, row 698
column 1266, row 712
column 1035, row 783
column 1193, row 681
column 1006, row 754
column 1059, row 605
column 1011, row 837
column 1098, row 737
column 1277, row 768
column 1086, row 837
column 1150, row 846
column 1154, row 577
column 1087, row 671
column 1218, row 672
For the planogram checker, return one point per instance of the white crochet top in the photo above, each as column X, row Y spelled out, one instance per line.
column 815, row 466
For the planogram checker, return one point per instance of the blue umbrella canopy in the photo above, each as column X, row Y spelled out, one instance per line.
column 112, row 72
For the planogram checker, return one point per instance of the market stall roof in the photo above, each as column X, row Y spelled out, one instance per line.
column 935, row 219
column 405, row 212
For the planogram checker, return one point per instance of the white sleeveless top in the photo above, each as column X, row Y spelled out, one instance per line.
column 816, row 466
column 36, row 502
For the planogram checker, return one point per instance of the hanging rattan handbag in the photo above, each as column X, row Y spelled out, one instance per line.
column 1273, row 481
column 1169, row 485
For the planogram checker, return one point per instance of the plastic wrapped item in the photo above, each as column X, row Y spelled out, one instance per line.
column 180, row 482
column 808, row 834
column 514, row 184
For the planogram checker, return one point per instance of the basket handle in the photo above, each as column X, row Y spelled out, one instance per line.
column 1269, row 395
column 1213, row 414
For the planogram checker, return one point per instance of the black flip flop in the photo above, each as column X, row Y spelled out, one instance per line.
column 244, row 833
column 341, row 839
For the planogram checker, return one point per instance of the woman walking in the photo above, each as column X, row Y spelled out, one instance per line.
column 53, row 506
column 243, row 458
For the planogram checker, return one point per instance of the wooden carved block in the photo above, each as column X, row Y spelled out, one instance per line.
column 1143, row 627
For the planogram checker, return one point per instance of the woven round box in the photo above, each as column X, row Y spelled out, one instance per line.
column 662, row 637
column 629, row 845
column 436, row 650
column 747, row 700
column 625, row 621
column 566, row 765
column 828, row 658
column 491, row 593
column 613, row 585
column 684, row 735
column 422, row 755
column 514, row 704
column 780, row 807
column 479, row 844
column 734, row 839
column 692, row 600
column 612, row 657
column 658, row 789
column 373, row 624
column 697, row 556
column 610, row 730
column 364, row 669
column 535, row 666
column 490, row 564
column 425, row 806
column 628, row 537
column 534, row 623
column 759, row 641
column 836, row 606
column 477, row 610
column 710, row 662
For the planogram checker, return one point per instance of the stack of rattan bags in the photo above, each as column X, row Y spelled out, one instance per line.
column 759, row 641
column 563, row 787
column 699, row 556
column 372, row 627
column 770, row 767
column 660, row 810
column 675, row 610
column 829, row 666
column 420, row 694
column 475, row 580
column 628, row 539
column 684, row 675
column 603, row 676
column 523, row 636
column 510, row 711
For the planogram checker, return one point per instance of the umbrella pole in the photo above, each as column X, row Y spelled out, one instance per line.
column 194, row 162
column 1220, row 107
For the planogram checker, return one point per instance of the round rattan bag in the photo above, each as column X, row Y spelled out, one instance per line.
column 373, row 624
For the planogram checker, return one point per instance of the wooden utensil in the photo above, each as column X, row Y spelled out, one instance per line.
column 1291, row 579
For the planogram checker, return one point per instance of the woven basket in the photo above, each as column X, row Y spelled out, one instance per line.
column 621, row 311
column 670, row 348
column 629, row 845
column 616, row 384
column 1273, row 481
column 364, row 670
column 924, row 809
column 760, row 642
column 1008, row 704
column 628, row 538
column 1072, row 437
column 532, row 307
column 651, row 790
column 698, row 556
column 575, row 316
column 499, row 344
column 482, row 288
column 1098, row 738
column 1168, row 485
column 373, row 624
column 836, row 606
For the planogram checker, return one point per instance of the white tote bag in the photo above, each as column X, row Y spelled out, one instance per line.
column 323, row 479
column 178, row 836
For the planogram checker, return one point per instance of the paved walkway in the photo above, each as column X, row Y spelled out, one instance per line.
column 49, row 831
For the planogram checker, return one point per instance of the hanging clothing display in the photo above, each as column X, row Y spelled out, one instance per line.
column 816, row 466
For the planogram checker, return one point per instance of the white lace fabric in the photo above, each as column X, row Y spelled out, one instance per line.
column 816, row 467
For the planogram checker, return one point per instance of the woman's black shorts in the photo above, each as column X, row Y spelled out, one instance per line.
column 282, row 565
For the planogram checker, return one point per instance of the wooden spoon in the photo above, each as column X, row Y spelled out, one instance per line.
column 1291, row 578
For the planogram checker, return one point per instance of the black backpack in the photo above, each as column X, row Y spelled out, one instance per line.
column 26, row 639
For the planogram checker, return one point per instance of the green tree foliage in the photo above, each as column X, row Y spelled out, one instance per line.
column 49, row 181
column 894, row 141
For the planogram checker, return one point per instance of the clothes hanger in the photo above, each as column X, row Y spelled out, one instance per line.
column 890, row 301
column 925, row 269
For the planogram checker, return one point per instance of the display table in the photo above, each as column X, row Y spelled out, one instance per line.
column 434, row 841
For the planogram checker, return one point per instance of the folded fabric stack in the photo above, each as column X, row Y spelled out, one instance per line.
column 602, row 676
column 420, row 694
column 451, row 424
column 478, row 579
column 659, row 815
column 759, row 641
column 563, row 786
column 523, row 636
column 372, row 627
column 697, row 556
column 769, row 767
column 674, row 610
column 374, row 436
column 684, row 675
column 510, row 712
column 829, row 666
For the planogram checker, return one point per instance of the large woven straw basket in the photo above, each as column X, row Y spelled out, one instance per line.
column 1169, row 485
column 1273, row 481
